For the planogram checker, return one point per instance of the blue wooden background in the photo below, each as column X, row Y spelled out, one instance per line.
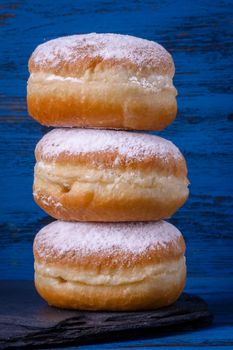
column 199, row 34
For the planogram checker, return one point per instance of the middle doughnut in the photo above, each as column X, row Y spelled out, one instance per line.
column 99, row 175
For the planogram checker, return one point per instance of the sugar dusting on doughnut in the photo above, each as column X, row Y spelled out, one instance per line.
column 129, row 145
column 87, row 238
column 102, row 81
column 103, row 47
column 99, row 266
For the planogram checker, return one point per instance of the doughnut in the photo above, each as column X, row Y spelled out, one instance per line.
column 109, row 266
column 107, row 175
column 108, row 81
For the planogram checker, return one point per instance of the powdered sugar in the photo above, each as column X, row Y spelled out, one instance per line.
column 47, row 200
column 57, row 77
column 156, row 83
column 87, row 238
column 127, row 144
column 69, row 49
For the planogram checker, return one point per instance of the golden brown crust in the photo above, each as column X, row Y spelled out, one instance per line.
column 105, row 159
column 153, row 292
column 105, row 260
column 110, row 266
column 142, row 152
column 46, row 248
column 98, row 200
column 95, row 106
column 74, row 55
column 102, row 81
column 90, row 205
column 97, row 175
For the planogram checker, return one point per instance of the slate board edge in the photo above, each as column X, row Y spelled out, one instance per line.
column 61, row 335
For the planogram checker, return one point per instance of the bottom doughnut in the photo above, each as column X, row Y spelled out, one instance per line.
column 133, row 266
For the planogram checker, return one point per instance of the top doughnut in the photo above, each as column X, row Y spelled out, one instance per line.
column 76, row 53
column 102, row 80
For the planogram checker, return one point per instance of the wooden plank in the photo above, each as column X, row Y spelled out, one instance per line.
column 200, row 37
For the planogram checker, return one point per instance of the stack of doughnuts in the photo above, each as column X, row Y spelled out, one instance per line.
column 108, row 185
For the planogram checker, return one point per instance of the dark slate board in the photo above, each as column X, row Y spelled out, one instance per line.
column 27, row 321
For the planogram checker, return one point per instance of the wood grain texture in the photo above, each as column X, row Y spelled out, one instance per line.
column 199, row 34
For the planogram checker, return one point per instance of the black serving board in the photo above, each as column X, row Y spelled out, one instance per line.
column 27, row 321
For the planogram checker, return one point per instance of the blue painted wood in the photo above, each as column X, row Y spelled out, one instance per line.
column 199, row 34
